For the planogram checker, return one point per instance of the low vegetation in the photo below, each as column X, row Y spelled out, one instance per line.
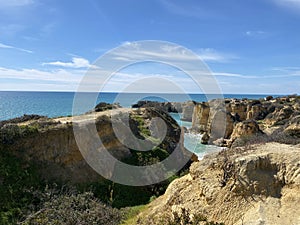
column 176, row 218
column 19, row 184
column 27, row 199
column 72, row 208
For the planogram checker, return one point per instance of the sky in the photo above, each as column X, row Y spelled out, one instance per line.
column 250, row 46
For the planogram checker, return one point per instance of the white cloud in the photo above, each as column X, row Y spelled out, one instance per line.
column 285, row 68
column 285, row 72
column 256, row 33
column 290, row 4
column 212, row 55
column 15, row 48
column 77, row 62
column 68, row 79
column 222, row 74
column 15, row 3
column 154, row 51
column 40, row 75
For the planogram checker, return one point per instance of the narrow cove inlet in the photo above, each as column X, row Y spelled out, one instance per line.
column 192, row 141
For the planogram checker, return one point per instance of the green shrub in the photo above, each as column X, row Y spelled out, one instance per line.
column 82, row 209
column 11, row 132
column 182, row 218
column 16, row 180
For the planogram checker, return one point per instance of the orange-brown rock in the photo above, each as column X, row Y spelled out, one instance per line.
column 219, row 119
column 260, row 185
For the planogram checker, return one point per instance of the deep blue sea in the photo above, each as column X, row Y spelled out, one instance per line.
column 55, row 104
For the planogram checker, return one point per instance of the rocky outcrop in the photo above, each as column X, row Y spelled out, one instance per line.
column 245, row 128
column 175, row 107
column 229, row 119
column 293, row 127
column 200, row 117
column 260, row 185
column 51, row 146
column 186, row 108
column 103, row 106
column 187, row 111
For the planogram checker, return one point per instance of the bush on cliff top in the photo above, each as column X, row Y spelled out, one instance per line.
column 82, row 209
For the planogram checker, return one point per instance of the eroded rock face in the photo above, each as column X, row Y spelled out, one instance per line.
column 229, row 119
column 187, row 111
column 255, row 186
column 245, row 128
column 293, row 127
column 53, row 148
column 200, row 117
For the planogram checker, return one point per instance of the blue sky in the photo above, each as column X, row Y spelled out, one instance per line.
column 251, row 46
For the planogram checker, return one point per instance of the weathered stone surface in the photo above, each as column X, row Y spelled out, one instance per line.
column 255, row 186
column 245, row 128
column 187, row 111
column 200, row 117
column 280, row 115
column 220, row 119
column 293, row 127
column 53, row 148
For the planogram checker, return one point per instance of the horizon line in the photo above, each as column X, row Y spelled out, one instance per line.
column 69, row 91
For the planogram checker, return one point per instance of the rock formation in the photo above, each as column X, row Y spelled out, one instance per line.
column 260, row 185
column 223, row 122
column 50, row 143
column 186, row 108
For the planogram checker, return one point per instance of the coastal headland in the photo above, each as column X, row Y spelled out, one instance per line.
column 255, row 180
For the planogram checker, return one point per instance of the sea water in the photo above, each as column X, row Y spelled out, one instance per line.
column 192, row 141
column 54, row 104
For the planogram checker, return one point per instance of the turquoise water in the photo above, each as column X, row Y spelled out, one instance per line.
column 192, row 141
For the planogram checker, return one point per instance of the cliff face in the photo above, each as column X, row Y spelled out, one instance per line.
column 50, row 144
column 225, row 121
column 260, row 185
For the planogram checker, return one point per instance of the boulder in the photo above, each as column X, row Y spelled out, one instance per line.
column 205, row 138
column 245, row 128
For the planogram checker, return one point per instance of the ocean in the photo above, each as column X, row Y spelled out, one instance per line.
column 54, row 104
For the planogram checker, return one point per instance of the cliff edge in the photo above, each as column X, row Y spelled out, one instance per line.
column 254, row 185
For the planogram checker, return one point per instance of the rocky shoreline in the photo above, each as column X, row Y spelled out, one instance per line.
column 256, row 180
column 50, row 143
column 225, row 121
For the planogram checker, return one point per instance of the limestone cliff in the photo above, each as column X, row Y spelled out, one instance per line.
column 50, row 143
column 257, row 185
column 225, row 121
